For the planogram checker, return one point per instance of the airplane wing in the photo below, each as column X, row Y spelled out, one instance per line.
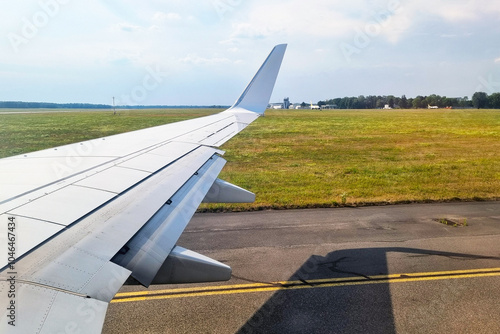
column 77, row 221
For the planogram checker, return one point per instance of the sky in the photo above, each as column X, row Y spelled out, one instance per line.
column 204, row 52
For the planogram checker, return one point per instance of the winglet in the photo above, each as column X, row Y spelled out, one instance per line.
column 258, row 92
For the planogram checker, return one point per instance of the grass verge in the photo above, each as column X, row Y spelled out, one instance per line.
column 303, row 159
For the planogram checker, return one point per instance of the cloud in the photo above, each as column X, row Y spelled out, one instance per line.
column 250, row 31
column 497, row 60
column 127, row 27
column 264, row 19
column 197, row 60
column 448, row 10
column 161, row 16
column 403, row 18
column 120, row 56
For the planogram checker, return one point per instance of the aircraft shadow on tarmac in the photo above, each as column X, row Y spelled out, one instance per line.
column 364, row 308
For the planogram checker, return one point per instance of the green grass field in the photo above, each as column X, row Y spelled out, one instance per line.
column 21, row 133
column 298, row 159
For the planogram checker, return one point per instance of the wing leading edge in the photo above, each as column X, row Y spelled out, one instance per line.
column 87, row 217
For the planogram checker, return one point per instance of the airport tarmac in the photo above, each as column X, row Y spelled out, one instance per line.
column 383, row 269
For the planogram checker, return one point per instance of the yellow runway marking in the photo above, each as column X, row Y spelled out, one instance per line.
column 292, row 285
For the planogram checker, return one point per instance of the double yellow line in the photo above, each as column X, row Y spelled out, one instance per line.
column 292, row 285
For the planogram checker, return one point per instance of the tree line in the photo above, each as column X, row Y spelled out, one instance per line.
column 49, row 105
column 479, row 100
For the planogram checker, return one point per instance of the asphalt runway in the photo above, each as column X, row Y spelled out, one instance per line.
column 386, row 269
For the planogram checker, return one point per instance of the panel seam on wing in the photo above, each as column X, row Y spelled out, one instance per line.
column 38, row 219
column 50, row 287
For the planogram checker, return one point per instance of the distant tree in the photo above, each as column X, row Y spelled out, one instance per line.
column 380, row 102
column 371, row 101
column 361, row 102
column 432, row 100
column 494, row 100
column 410, row 103
column 417, row 102
column 480, row 100
column 350, row 102
column 424, row 103
column 403, row 103
column 346, row 102
column 390, row 101
column 448, row 102
column 20, row 104
column 397, row 102
column 303, row 105
column 466, row 102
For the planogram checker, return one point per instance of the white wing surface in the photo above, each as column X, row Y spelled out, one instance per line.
column 78, row 221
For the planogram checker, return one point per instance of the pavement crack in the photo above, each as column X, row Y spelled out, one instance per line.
column 332, row 266
column 256, row 281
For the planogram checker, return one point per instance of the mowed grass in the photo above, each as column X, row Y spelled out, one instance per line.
column 28, row 132
column 299, row 159
column 355, row 157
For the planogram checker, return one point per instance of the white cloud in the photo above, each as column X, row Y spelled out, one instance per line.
column 127, row 27
column 413, row 13
column 250, row 31
column 161, row 16
column 198, row 60
column 297, row 17
column 402, row 18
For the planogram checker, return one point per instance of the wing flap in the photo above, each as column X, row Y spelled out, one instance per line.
column 146, row 252
column 84, row 277
column 43, row 310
